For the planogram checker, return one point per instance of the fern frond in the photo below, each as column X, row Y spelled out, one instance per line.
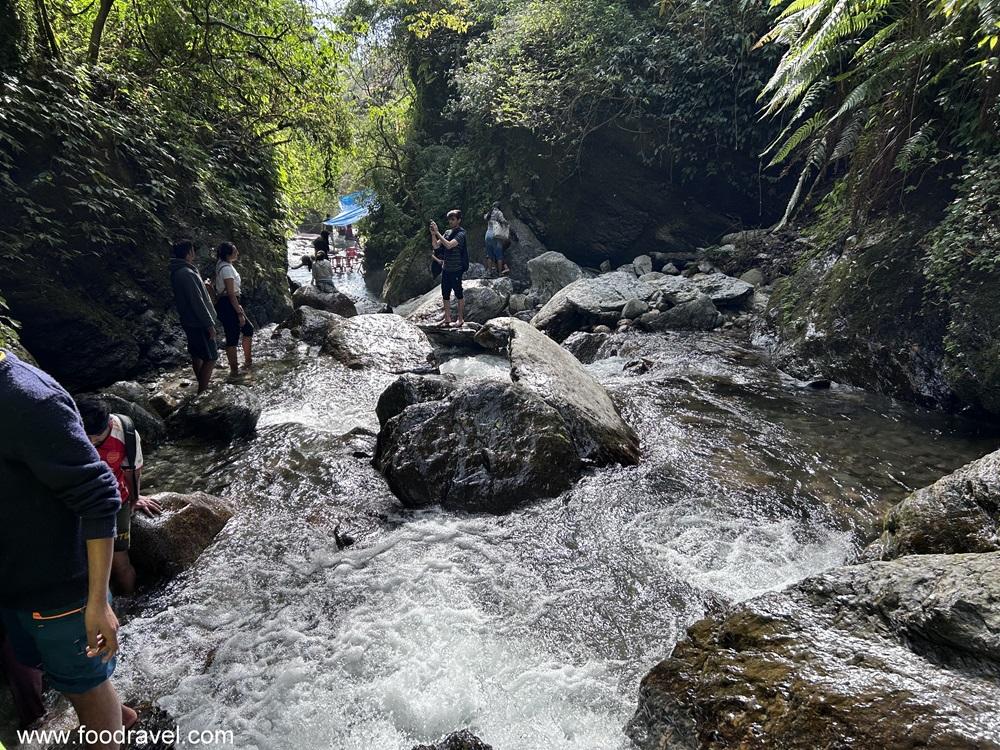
column 808, row 128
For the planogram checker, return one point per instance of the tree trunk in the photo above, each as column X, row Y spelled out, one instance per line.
column 94, row 51
column 42, row 14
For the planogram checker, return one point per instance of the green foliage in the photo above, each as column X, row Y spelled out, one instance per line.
column 17, row 33
column 685, row 83
column 94, row 162
column 967, row 242
column 889, row 86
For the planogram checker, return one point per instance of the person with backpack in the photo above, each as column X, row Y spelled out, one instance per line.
column 497, row 239
column 450, row 253
column 118, row 444
column 228, row 287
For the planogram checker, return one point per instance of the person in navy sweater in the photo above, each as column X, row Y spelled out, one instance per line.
column 57, row 532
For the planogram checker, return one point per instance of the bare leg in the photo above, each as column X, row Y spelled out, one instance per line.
column 205, row 375
column 461, row 312
column 123, row 574
column 234, row 365
column 248, row 352
column 99, row 710
column 196, row 366
column 447, row 311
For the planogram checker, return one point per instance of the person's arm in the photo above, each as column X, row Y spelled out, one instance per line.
column 99, row 619
column 450, row 244
column 234, row 300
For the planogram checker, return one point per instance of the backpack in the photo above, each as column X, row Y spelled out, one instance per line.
column 128, row 427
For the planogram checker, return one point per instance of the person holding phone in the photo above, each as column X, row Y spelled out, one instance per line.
column 450, row 252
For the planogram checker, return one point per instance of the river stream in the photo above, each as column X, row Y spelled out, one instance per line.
column 533, row 629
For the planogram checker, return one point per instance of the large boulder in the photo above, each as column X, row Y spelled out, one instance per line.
column 539, row 364
column 384, row 341
column 484, row 299
column 309, row 324
column 410, row 389
column 464, row 740
column 697, row 314
column 724, row 291
column 958, row 513
column 522, row 250
column 487, row 448
column 165, row 545
column 895, row 656
column 223, row 412
column 590, row 302
column 335, row 302
column 551, row 271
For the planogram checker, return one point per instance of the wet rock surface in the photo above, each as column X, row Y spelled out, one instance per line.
column 168, row 544
column 488, row 447
column 724, row 291
column 547, row 369
column 589, row 302
column 464, row 740
column 958, row 513
column 484, row 299
column 334, row 302
column 223, row 412
column 386, row 341
column 904, row 654
column 309, row 324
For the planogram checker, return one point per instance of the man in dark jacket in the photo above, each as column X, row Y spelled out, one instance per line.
column 57, row 531
column 451, row 253
column 195, row 309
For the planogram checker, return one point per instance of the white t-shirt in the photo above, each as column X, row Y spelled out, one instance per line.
column 226, row 270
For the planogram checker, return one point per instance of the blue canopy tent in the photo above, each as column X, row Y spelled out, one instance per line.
column 348, row 217
column 353, row 208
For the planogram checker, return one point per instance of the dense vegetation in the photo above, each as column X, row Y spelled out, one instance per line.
column 125, row 125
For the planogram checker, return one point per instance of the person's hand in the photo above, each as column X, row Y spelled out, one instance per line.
column 148, row 506
column 102, row 630
column 211, row 332
column 242, row 315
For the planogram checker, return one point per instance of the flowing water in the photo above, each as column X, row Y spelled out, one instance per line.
column 532, row 629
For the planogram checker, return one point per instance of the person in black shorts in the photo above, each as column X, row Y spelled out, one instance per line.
column 228, row 287
column 451, row 254
column 194, row 307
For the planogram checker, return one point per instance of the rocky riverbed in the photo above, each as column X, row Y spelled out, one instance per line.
column 531, row 626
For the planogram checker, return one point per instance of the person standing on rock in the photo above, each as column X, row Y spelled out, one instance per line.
column 58, row 511
column 497, row 232
column 120, row 447
column 228, row 286
column 194, row 307
column 451, row 253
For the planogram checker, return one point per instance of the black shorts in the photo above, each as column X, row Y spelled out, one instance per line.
column 200, row 346
column 451, row 281
column 231, row 322
column 124, row 524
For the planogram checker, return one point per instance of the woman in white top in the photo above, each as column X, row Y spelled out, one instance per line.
column 227, row 305
column 322, row 273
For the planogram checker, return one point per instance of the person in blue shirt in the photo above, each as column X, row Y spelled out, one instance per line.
column 451, row 254
column 57, row 533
